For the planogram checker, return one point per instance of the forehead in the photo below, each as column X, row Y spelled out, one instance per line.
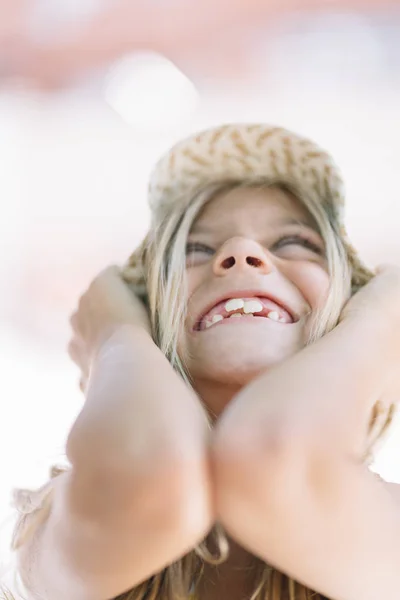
column 263, row 207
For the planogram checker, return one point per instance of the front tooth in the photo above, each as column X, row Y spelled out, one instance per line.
column 217, row 318
column 235, row 315
column 273, row 315
column 252, row 306
column 234, row 304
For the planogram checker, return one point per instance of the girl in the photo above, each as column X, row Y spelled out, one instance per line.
column 237, row 372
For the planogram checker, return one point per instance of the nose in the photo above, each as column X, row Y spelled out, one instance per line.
column 242, row 254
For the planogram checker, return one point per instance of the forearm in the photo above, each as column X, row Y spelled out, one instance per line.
column 324, row 393
column 138, row 414
column 333, row 527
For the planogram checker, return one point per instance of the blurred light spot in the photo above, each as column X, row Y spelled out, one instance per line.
column 150, row 93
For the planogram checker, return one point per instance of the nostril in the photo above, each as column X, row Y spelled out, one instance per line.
column 253, row 262
column 228, row 262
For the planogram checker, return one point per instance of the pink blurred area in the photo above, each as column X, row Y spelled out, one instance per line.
column 76, row 159
column 55, row 41
column 90, row 98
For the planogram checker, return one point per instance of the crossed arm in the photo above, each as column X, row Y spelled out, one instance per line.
column 291, row 486
column 286, row 480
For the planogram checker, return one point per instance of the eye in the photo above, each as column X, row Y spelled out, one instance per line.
column 299, row 240
column 194, row 247
column 197, row 253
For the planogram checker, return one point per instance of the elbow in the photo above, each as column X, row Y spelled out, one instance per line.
column 245, row 469
column 183, row 493
column 262, row 453
column 275, row 501
column 166, row 491
column 270, row 475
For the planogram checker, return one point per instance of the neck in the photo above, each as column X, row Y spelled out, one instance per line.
column 216, row 396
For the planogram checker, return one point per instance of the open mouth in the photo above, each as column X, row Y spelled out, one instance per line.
column 244, row 308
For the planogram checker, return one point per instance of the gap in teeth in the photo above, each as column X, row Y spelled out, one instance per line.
column 246, row 308
column 251, row 307
column 273, row 315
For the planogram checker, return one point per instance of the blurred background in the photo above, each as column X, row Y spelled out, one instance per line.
column 92, row 92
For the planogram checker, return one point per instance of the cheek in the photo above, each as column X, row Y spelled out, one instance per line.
column 195, row 277
column 312, row 280
column 192, row 280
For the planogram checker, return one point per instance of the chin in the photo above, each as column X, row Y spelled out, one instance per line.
column 235, row 376
column 232, row 359
column 235, row 368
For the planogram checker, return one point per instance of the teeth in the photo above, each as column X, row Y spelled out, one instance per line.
column 214, row 319
column 234, row 304
column 273, row 315
column 252, row 306
column 249, row 308
column 217, row 318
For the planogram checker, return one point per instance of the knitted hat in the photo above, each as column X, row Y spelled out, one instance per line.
column 240, row 151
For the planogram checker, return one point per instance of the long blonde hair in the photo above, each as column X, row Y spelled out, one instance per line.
column 162, row 260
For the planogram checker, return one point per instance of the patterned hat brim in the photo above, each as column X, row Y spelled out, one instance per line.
column 238, row 152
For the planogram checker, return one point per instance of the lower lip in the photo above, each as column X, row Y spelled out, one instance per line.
column 246, row 319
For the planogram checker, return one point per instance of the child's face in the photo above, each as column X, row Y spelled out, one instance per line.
column 256, row 246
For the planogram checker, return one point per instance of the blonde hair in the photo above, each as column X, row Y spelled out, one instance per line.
column 162, row 260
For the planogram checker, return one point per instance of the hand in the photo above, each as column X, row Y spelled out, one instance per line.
column 108, row 304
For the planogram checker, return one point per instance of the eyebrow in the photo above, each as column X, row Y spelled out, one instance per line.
column 200, row 229
column 293, row 221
